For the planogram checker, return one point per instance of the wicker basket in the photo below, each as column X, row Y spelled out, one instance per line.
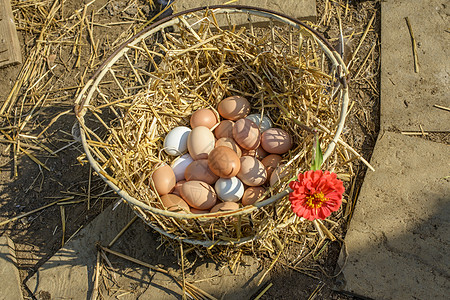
column 147, row 66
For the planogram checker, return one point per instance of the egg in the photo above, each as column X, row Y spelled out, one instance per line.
column 246, row 134
column 252, row 172
column 203, row 117
column 200, row 142
column 180, row 164
column 270, row 162
column 225, row 206
column 224, row 162
column 230, row 143
column 278, row 174
column 199, row 194
column 199, row 170
column 252, row 194
column 259, row 153
column 177, row 188
column 199, row 211
column 229, row 189
column 175, row 142
column 174, row 203
column 234, row 108
column 263, row 124
column 164, row 179
column 224, row 129
column 276, row 140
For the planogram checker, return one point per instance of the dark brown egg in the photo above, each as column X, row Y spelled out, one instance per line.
column 234, row 108
column 224, row 162
column 276, row 140
column 246, row 134
column 224, row 129
column 199, row 170
column 203, row 117
column 230, row 143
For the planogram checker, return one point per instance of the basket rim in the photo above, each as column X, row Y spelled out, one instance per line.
column 81, row 99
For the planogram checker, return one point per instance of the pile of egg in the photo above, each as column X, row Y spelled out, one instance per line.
column 226, row 164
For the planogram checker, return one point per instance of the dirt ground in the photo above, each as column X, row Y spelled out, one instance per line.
column 63, row 176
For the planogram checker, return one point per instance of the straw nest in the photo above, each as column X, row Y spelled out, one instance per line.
column 191, row 61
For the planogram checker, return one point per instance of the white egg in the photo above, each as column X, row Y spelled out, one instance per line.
column 229, row 189
column 265, row 123
column 175, row 142
column 180, row 164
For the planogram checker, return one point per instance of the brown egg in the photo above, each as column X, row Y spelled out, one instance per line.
column 278, row 174
column 199, row 170
column 252, row 172
column 200, row 142
column 199, row 211
column 230, row 143
column 271, row 162
column 234, row 108
column 252, row 194
column 199, row 194
column 177, row 189
column 276, row 140
column 225, row 206
column 246, row 134
column 174, row 203
column 259, row 153
column 164, row 179
column 203, row 117
column 224, row 129
column 224, row 162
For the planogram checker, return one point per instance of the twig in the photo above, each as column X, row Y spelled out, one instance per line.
column 442, row 107
column 414, row 46
column 34, row 210
column 350, row 64
column 122, row 231
column 263, row 291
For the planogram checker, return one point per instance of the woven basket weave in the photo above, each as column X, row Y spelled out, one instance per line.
column 134, row 69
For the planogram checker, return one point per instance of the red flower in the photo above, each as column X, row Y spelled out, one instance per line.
column 316, row 194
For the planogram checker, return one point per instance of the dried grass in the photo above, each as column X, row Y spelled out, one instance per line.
column 159, row 78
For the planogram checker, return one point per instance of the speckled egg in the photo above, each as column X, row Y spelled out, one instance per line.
column 252, row 172
column 203, row 117
column 200, row 142
column 246, row 134
column 234, row 108
column 199, row 194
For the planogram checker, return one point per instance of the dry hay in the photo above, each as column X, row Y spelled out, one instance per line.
column 156, row 80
